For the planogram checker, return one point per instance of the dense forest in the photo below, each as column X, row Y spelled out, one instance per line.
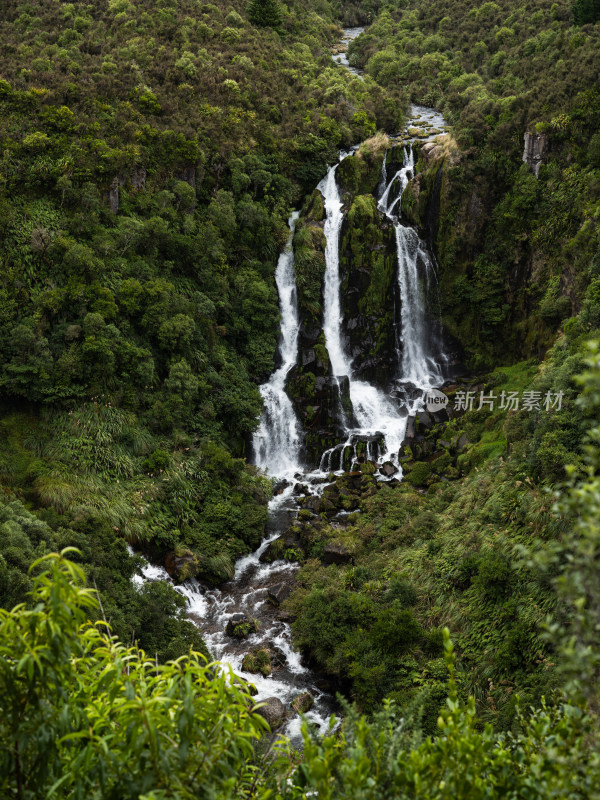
column 151, row 152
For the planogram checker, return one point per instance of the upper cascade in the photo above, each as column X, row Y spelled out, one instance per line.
column 416, row 364
column 374, row 413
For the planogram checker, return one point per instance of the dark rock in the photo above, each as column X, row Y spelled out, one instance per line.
column 308, row 357
column 303, row 703
column 241, row 626
column 388, row 469
column 273, row 551
column 425, row 419
column 113, row 195
column 273, row 711
column 280, row 486
column 181, row 566
column 336, row 554
column 313, row 503
column 279, row 592
column 463, row 441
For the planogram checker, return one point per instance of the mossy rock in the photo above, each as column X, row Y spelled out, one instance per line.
column 303, row 703
column 241, row 626
column 258, row 661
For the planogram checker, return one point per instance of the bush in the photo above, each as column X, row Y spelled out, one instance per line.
column 419, row 473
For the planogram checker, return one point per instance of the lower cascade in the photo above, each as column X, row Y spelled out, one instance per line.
column 242, row 623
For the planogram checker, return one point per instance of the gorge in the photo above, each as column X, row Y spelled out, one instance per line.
column 367, row 418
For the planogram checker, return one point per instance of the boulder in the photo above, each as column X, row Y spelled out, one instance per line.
column 336, row 554
column 241, row 626
column 181, row 566
column 273, row 711
column 279, row 592
column 303, row 703
column 280, row 486
column 258, row 661
column 431, row 151
column 388, row 469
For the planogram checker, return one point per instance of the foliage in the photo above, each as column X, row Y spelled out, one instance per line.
column 85, row 716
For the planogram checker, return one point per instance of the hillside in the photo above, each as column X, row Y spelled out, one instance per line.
column 436, row 573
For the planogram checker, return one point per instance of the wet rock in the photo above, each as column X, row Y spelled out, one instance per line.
column 308, row 357
column 303, row 703
column 535, row 151
column 113, row 195
column 336, row 554
column 279, row 592
column 425, row 420
column 313, row 503
column 258, row 661
column 280, row 486
column 388, row 469
column 273, row 711
column 181, row 566
column 273, row 551
column 241, row 626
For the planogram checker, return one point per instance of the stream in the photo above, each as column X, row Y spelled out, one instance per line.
column 377, row 416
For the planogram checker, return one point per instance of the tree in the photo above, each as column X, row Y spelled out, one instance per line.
column 84, row 716
column 586, row 11
column 265, row 13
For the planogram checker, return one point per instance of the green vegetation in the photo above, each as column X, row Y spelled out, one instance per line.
column 446, row 548
column 150, row 154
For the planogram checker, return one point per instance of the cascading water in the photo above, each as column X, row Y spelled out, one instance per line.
column 278, row 440
column 247, row 593
column 416, row 364
column 374, row 413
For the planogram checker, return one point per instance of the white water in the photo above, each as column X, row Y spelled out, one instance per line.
column 416, row 364
column 373, row 411
column 278, row 440
column 247, row 592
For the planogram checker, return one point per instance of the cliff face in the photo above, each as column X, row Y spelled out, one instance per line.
column 500, row 296
column 535, row 151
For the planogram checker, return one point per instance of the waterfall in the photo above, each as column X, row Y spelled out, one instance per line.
column 278, row 440
column 373, row 411
column 416, row 364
